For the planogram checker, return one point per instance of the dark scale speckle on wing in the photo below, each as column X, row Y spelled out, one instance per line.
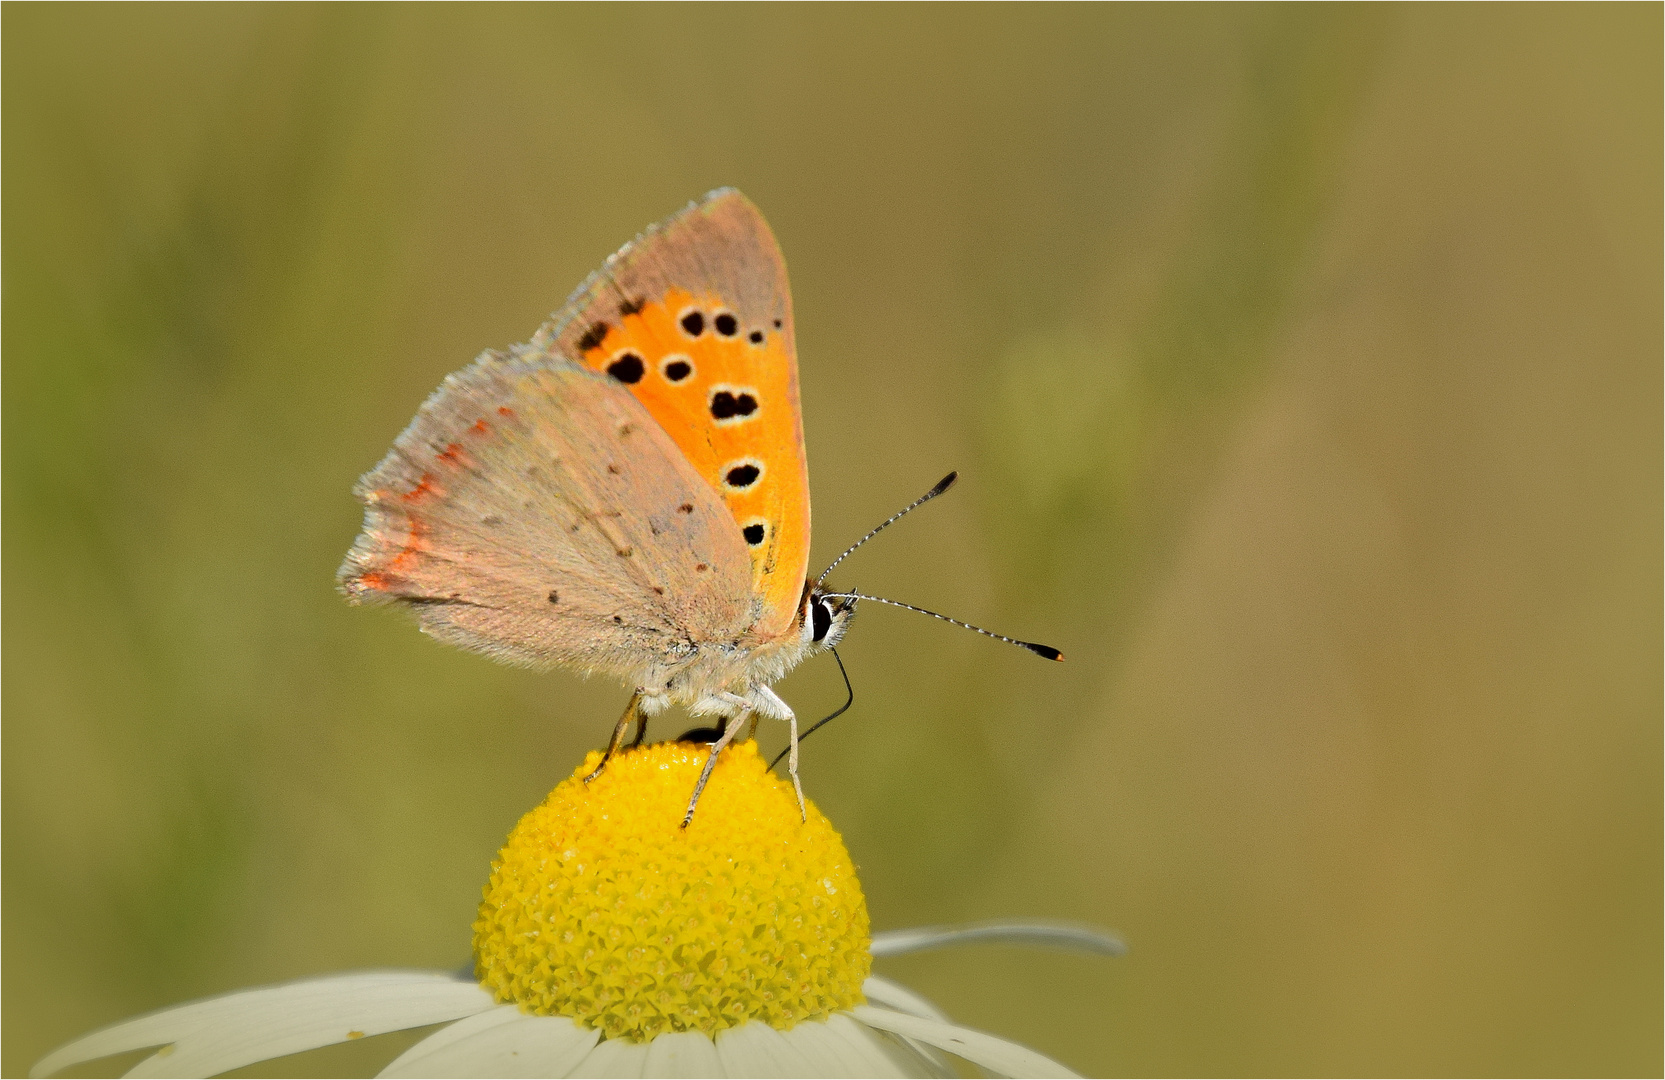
column 592, row 337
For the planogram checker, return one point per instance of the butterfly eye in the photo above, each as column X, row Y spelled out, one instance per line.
column 822, row 618
column 692, row 321
column 676, row 367
column 726, row 324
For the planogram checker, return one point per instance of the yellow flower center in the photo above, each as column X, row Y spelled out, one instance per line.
column 602, row 908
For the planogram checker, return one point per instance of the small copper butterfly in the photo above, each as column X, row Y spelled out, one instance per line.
column 626, row 493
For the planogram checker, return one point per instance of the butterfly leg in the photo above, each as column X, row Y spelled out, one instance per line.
column 768, row 703
column 730, row 730
column 792, row 767
column 632, row 711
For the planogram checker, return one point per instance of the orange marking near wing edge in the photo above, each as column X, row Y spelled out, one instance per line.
column 414, row 546
column 422, row 490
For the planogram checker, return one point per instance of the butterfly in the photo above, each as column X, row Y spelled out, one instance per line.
column 626, row 493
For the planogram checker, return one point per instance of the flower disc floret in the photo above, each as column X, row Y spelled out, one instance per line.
column 603, row 908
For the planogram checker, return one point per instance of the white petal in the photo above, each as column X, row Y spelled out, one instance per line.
column 896, row 996
column 613, row 1058
column 503, row 1042
column 683, row 1053
column 992, row 1053
column 1071, row 937
column 217, row 1034
column 756, row 1049
column 841, row 1047
column 450, row 1033
column 836, row 1054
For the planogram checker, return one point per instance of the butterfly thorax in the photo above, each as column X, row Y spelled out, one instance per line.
column 707, row 677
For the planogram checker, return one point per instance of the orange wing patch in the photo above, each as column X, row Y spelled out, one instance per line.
column 727, row 394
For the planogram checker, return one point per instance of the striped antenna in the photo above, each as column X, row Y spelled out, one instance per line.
column 942, row 485
column 1039, row 650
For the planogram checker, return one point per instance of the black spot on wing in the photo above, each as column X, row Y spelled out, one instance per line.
column 631, row 307
column 594, row 336
column 627, row 368
column 726, row 405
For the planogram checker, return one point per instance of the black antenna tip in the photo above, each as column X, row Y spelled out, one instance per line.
column 1043, row 650
column 944, row 484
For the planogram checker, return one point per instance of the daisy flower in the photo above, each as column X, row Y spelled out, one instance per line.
column 613, row 942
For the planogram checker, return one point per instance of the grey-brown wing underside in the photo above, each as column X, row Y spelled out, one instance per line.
column 536, row 512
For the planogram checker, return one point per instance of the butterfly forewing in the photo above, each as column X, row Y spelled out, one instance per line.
column 535, row 511
column 695, row 320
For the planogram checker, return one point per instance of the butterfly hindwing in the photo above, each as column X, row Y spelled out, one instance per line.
column 695, row 320
column 536, row 512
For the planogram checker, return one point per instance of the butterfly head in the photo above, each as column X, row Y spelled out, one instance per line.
column 825, row 617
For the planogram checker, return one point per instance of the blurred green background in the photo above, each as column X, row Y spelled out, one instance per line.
column 1303, row 365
